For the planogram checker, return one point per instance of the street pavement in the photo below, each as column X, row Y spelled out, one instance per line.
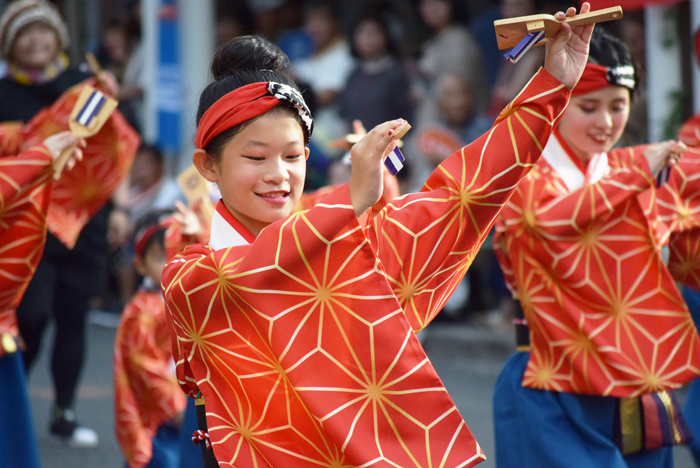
column 467, row 358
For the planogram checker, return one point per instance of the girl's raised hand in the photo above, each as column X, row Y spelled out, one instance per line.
column 367, row 159
column 567, row 51
column 664, row 154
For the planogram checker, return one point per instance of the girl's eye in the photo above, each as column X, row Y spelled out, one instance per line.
column 254, row 158
column 619, row 108
column 587, row 110
column 294, row 156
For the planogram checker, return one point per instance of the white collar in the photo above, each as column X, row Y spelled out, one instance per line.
column 227, row 231
column 558, row 158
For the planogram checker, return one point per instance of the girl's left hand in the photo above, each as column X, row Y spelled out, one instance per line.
column 567, row 51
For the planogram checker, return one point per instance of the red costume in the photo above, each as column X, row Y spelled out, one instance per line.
column 25, row 188
column 146, row 390
column 302, row 340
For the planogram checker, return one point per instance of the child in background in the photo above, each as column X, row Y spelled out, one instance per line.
column 148, row 401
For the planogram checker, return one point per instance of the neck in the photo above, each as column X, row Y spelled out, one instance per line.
column 253, row 225
column 581, row 156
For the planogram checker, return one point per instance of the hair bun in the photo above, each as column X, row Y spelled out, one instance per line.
column 250, row 53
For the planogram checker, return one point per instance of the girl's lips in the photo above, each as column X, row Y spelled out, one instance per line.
column 276, row 198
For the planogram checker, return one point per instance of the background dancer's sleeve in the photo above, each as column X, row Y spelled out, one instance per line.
column 83, row 191
column 25, row 190
column 427, row 241
column 678, row 202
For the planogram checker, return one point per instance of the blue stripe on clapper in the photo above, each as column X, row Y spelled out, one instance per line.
column 662, row 178
column 394, row 162
column 523, row 46
column 91, row 108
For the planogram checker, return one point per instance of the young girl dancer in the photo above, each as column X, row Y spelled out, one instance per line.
column 298, row 330
column 603, row 321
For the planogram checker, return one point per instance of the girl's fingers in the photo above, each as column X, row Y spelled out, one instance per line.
column 384, row 143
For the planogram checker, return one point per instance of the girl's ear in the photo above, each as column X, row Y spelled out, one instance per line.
column 140, row 267
column 205, row 165
column 307, row 151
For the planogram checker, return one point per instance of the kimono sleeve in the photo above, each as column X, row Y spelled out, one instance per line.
column 678, row 203
column 426, row 241
column 568, row 214
column 17, row 173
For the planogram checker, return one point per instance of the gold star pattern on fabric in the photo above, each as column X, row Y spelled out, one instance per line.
column 604, row 315
column 679, row 209
column 25, row 193
column 303, row 343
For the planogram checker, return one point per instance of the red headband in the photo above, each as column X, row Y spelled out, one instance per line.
column 245, row 103
column 597, row 77
column 145, row 235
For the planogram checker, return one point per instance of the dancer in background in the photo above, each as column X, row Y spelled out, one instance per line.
column 25, row 193
column 605, row 333
column 299, row 331
column 33, row 37
column 149, row 404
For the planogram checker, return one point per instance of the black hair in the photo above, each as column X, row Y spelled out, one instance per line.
column 609, row 51
column 144, row 222
column 153, row 150
column 242, row 61
column 391, row 48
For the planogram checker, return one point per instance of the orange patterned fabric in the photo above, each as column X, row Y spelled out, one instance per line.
column 583, row 253
column 303, row 343
column 82, row 191
column 679, row 207
column 146, row 391
column 25, row 193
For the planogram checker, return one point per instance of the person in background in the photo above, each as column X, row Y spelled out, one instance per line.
column 32, row 39
column 149, row 187
column 377, row 89
column 25, row 190
column 452, row 50
column 512, row 77
column 327, row 70
column 604, row 334
column 149, row 404
column 451, row 123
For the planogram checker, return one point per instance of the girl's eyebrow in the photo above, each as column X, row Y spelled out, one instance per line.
column 256, row 143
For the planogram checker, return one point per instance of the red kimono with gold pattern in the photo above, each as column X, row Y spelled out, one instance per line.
column 582, row 248
column 302, row 340
column 679, row 208
column 146, row 391
column 25, row 193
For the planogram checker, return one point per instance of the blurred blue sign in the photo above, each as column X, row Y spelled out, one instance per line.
column 169, row 84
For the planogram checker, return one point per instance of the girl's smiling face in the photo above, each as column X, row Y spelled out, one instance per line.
column 261, row 170
column 594, row 122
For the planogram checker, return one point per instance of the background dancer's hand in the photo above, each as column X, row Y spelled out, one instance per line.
column 664, row 154
column 567, row 51
column 367, row 159
column 62, row 141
